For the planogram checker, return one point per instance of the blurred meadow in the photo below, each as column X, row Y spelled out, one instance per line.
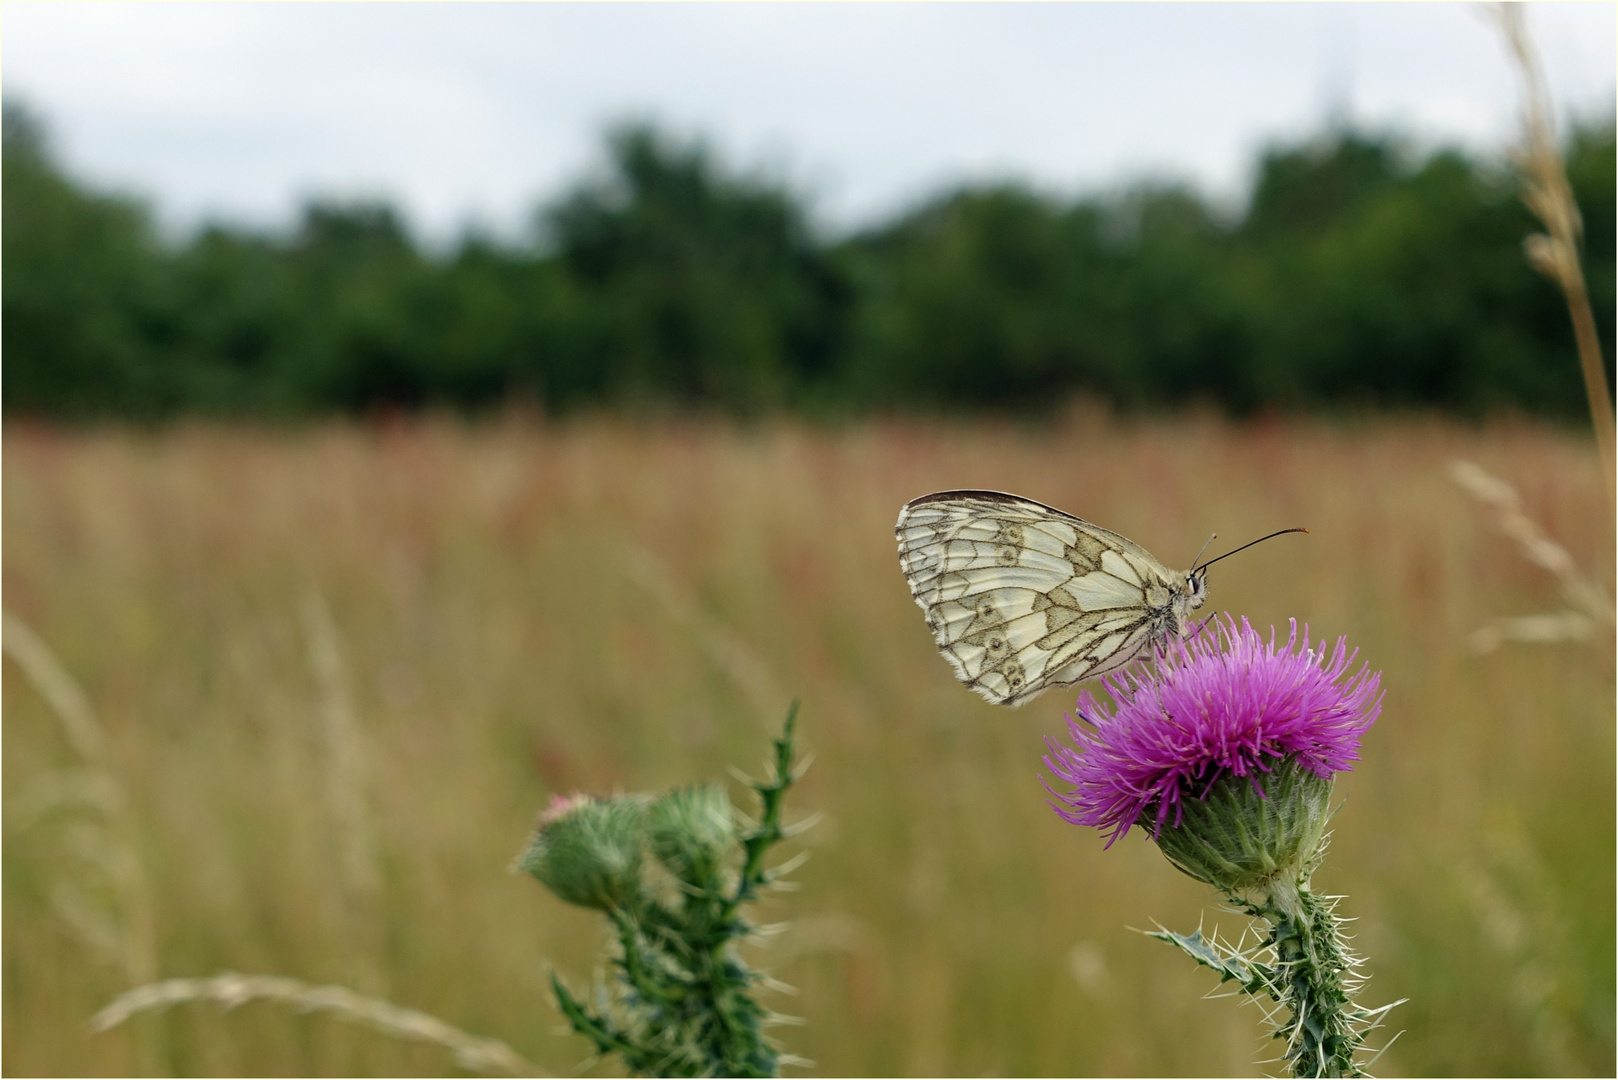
column 339, row 668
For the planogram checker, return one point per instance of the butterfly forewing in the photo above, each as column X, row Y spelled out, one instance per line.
column 1021, row 596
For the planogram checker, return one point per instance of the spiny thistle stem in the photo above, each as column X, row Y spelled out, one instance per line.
column 1313, row 974
column 769, row 832
column 602, row 1032
column 1305, row 966
column 684, row 1005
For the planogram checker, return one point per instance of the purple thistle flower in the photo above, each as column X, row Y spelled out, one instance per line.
column 1225, row 704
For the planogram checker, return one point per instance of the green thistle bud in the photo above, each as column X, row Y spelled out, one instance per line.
column 693, row 832
column 588, row 851
column 1251, row 834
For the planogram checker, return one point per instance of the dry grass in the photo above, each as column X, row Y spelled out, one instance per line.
column 510, row 610
column 1587, row 610
column 231, row 991
column 1555, row 252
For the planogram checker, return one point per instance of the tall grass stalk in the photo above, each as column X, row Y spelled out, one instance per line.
column 472, row 1052
column 1588, row 605
column 347, row 784
column 110, row 847
column 128, row 933
column 1555, row 252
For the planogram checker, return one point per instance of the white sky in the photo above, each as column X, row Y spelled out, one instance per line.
column 475, row 112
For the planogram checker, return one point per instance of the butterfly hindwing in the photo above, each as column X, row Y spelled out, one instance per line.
column 1021, row 596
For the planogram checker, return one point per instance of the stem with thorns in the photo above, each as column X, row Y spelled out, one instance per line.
column 689, row 1009
column 1304, row 965
column 771, row 792
column 1313, row 979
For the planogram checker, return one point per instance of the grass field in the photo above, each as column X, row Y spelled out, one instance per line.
column 339, row 671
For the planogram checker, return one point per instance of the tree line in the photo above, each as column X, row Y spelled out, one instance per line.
column 1359, row 273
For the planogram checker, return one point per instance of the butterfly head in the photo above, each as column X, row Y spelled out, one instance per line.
column 1196, row 585
column 1187, row 596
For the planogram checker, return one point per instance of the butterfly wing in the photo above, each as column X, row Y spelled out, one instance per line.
column 1021, row 597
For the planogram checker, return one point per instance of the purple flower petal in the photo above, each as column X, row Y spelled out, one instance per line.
column 1216, row 705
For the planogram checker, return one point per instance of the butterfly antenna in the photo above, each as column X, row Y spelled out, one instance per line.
column 1203, row 550
column 1249, row 544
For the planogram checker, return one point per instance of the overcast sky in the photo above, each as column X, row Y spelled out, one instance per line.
column 467, row 112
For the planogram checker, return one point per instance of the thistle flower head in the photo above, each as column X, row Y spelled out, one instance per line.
column 1222, row 705
column 692, row 832
column 588, row 850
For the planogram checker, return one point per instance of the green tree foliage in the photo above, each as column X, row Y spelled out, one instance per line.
column 1360, row 273
column 78, row 302
column 698, row 288
column 1396, row 281
column 1001, row 298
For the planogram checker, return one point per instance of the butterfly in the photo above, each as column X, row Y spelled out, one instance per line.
column 1021, row 596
